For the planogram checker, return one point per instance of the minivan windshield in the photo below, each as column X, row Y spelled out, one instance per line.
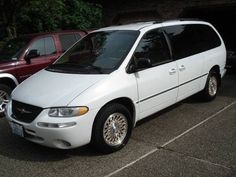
column 13, row 49
column 97, row 53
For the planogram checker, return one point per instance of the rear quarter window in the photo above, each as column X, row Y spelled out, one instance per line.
column 187, row 40
column 67, row 40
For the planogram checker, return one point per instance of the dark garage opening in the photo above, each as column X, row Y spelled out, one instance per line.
column 222, row 17
column 136, row 16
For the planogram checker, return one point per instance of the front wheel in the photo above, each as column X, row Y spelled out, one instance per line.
column 112, row 128
column 5, row 92
column 211, row 88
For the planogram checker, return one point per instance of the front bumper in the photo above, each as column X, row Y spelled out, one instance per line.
column 62, row 138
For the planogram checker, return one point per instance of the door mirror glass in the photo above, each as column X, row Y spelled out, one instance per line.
column 142, row 63
column 31, row 54
column 132, row 68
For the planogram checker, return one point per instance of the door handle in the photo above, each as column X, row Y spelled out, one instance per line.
column 172, row 71
column 182, row 67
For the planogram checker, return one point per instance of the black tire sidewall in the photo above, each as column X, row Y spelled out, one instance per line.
column 206, row 93
column 97, row 135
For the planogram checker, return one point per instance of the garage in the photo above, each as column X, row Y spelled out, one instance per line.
column 222, row 17
column 136, row 16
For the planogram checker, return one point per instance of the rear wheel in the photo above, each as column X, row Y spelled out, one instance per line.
column 112, row 128
column 211, row 88
column 5, row 92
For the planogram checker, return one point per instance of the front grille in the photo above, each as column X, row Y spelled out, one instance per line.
column 24, row 112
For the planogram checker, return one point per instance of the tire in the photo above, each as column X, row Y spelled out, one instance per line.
column 211, row 88
column 5, row 93
column 112, row 128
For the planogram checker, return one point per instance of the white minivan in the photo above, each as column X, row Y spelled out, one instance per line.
column 112, row 78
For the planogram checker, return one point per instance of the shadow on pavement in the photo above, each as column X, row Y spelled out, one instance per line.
column 228, row 88
column 158, row 114
column 14, row 147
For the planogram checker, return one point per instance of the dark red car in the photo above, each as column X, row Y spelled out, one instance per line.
column 21, row 57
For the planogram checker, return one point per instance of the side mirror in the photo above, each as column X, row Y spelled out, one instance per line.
column 132, row 68
column 141, row 63
column 31, row 54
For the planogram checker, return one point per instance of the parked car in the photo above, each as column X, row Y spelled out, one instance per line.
column 21, row 57
column 112, row 78
column 231, row 60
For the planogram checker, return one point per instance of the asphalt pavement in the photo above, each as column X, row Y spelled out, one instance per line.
column 190, row 139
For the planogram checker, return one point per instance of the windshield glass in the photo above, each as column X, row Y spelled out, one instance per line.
column 13, row 49
column 98, row 52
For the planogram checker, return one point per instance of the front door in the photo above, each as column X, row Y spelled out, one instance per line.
column 158, row 84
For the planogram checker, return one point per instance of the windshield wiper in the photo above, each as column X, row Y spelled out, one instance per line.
column 71, row 67
column 62, row 67
column 98, row 69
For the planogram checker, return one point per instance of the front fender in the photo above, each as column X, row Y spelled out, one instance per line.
column 9, row 76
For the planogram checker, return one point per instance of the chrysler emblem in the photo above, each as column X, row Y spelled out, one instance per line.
column 23, row 111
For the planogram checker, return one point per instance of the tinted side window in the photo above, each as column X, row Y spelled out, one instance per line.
column 49, row 46
column 208, row 37
column 67, row 40
column 153, row 45
column 39, row 46
column 188, row 40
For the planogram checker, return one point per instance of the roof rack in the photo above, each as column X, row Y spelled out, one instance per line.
column 177, row 19
column 135, row 22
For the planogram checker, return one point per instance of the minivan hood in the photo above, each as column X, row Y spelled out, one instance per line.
column 50, row 89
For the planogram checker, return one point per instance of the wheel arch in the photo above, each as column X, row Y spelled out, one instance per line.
column 216, row 69
column 9, row 80
column 125, row 101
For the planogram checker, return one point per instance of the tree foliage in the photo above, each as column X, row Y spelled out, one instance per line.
column 9, row 10
column 78, row 14
column 23, row 16
column 41, row 15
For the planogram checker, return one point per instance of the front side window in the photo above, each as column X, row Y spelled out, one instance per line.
column 44, row 46
column 39, row 46
column 98, row 52
column 153, row 46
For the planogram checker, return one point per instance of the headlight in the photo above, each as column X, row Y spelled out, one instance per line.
column 68, row 111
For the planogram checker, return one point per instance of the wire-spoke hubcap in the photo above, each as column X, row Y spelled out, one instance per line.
column 4, row 99
column 115, row 129
column 212, row 86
